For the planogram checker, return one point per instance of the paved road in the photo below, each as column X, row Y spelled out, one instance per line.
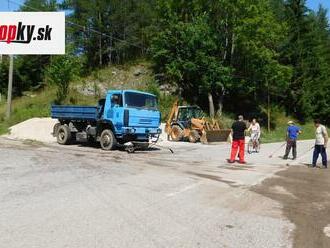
column 76, row 196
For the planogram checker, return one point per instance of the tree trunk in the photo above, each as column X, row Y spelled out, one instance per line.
column 232, row 48
column 220, row 105
column 100, row 42
column 220, row 94
column 110, row 52
column 211, row 105
column 100, row 50
column 268, row 108
column 227, row 40
column 10, row 86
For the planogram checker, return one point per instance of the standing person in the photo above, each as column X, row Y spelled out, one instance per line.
column 321, row 141
column 255, row 130
column 238, row 131
column 291, row 140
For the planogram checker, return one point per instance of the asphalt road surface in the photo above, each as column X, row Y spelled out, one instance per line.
column 75, row 196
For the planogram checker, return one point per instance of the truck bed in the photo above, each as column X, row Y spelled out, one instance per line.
column 69, row 112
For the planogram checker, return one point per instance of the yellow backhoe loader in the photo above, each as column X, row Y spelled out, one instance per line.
column 189, row 123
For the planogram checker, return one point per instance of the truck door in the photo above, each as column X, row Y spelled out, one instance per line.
column 115, row 113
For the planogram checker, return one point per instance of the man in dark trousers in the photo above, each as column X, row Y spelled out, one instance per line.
column 321, row 141
column 238, row 131
column 291, row 140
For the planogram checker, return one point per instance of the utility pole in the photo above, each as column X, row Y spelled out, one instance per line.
column 10, row 85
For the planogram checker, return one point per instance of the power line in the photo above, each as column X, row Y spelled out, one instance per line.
column 83, row 28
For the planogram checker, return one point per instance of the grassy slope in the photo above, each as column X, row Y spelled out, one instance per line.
column 26, row 107
column 279, row 133
column 35, row 104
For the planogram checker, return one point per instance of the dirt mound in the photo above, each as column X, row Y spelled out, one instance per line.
column 38, row 129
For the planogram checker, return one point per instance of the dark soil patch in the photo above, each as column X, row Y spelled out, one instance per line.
column 307, row 205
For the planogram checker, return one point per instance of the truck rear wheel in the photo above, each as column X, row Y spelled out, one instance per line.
column 55, row 129
column 108, row 140
column 63, row 135
column 90, row 140
column 176, row 133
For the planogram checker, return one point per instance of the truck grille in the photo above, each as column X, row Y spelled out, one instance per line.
column 145, row 121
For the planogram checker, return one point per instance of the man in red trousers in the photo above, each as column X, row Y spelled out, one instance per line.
column 238, row 131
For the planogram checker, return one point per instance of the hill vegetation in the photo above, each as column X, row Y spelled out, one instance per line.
column 268, row 59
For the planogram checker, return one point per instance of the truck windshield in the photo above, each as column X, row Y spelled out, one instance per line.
column 138, row 100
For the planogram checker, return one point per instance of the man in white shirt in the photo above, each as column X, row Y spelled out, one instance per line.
column 321, row 140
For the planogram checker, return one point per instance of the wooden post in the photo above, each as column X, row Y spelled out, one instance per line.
column 10, row 86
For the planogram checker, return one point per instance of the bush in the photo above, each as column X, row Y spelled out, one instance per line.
column 61, row 71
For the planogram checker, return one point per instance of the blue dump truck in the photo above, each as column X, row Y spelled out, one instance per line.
column 123, row 117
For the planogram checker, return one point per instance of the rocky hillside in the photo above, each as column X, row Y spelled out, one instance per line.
column 134, row 76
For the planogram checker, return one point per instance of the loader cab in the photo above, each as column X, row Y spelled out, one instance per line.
column 186, row 113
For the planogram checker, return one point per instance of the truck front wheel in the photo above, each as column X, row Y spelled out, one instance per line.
column 108, row 140
column 63, row 135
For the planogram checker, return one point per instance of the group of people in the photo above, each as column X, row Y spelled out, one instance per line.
column 239, row 128
column 238, row 138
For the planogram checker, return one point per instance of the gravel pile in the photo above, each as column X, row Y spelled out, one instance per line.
column 38, row 129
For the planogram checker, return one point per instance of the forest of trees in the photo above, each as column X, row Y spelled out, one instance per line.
column 247, row 56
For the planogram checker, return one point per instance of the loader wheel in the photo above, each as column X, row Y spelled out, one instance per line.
column 177, row 133
column 193, row 136
column 203, row 138
column 63, row 135
column 108, row 140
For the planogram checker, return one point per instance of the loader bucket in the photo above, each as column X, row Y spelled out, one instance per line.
column 210, row 136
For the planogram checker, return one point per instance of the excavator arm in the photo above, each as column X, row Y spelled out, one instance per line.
column 171, row 117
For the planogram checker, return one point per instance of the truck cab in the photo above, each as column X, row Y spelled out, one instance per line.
column 122, row 116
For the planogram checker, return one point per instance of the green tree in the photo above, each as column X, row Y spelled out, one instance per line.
column 242, row 40
column 306, row 49
column 61, row 71
column 185, row 53
column 29, row 69
column 316, row 94
column 4, row 65
column 110, row 31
